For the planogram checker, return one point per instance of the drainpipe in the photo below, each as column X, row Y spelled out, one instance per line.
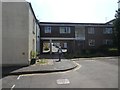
column 50, row 46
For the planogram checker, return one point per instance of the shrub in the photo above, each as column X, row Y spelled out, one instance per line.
column 33, row 54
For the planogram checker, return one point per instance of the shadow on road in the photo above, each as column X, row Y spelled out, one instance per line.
column 50, row 56
column 7, row 70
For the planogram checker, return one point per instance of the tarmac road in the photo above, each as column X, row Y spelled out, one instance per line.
column 93, row 73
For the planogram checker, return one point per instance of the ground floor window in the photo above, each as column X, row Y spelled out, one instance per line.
column 53, row 47
column 65, row 45
column 46, row 47
column 91, row 42
column 107, row 42
column 56, row 44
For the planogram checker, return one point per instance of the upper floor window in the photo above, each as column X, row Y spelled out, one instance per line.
column 48, row 29
column 91, row 30
column 107, row 31
column 34, row 26
column 65, row 30
column 91, row 42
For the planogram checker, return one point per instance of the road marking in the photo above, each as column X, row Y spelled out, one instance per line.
column 78, row 66
column 63, row 81
column 12, row 87
column 18, row 77
column 90, row 60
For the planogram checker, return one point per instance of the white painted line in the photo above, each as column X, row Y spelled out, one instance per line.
column 93, row 60
column 12, row 87
column 90, row 60
column 18, row 77
column 78, row 66
column 63, row 81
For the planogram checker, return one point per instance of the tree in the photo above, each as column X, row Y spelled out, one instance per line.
column 117, row 30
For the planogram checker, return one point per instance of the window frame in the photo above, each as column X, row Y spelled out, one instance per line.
column 65, row 45
column 91, row 30
column 91, row 42
column 108, row 31
column 64, row 30
column 107, row 42
column 47, row 29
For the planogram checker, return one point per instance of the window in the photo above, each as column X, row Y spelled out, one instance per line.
column 107, row 31
column 34, row 26
column 56, row 44
column 65, row 45
column 107, row 42
column 48, row 29
column 91, row 42
column 65, row 30
column 91, row 30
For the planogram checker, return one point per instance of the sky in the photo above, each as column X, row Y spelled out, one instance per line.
column 79, row 11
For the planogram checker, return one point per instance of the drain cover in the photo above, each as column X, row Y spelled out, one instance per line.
column 63, row 81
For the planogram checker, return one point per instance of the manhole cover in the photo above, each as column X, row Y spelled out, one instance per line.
column 63, row 81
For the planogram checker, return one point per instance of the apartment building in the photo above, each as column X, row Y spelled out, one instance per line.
column 20, row 33
column 75, row 36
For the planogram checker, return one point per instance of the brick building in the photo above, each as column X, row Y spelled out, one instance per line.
column 75, row 37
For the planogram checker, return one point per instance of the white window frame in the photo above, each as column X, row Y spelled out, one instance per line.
column 91, row 30
column 65, row 45
column 57, row 44
column 47, row 29
column 108, row 31
column 64, row 30
column 91, row 42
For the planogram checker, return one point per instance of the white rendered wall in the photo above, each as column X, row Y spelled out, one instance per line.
column 15, row 33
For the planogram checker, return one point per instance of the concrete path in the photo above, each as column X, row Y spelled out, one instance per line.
column 51, row 66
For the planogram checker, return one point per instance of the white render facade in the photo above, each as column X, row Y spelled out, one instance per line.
column 19, row 28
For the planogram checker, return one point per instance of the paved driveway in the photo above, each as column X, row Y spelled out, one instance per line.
column 93, row 73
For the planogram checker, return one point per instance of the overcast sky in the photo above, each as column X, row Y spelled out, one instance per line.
column 81, row 11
